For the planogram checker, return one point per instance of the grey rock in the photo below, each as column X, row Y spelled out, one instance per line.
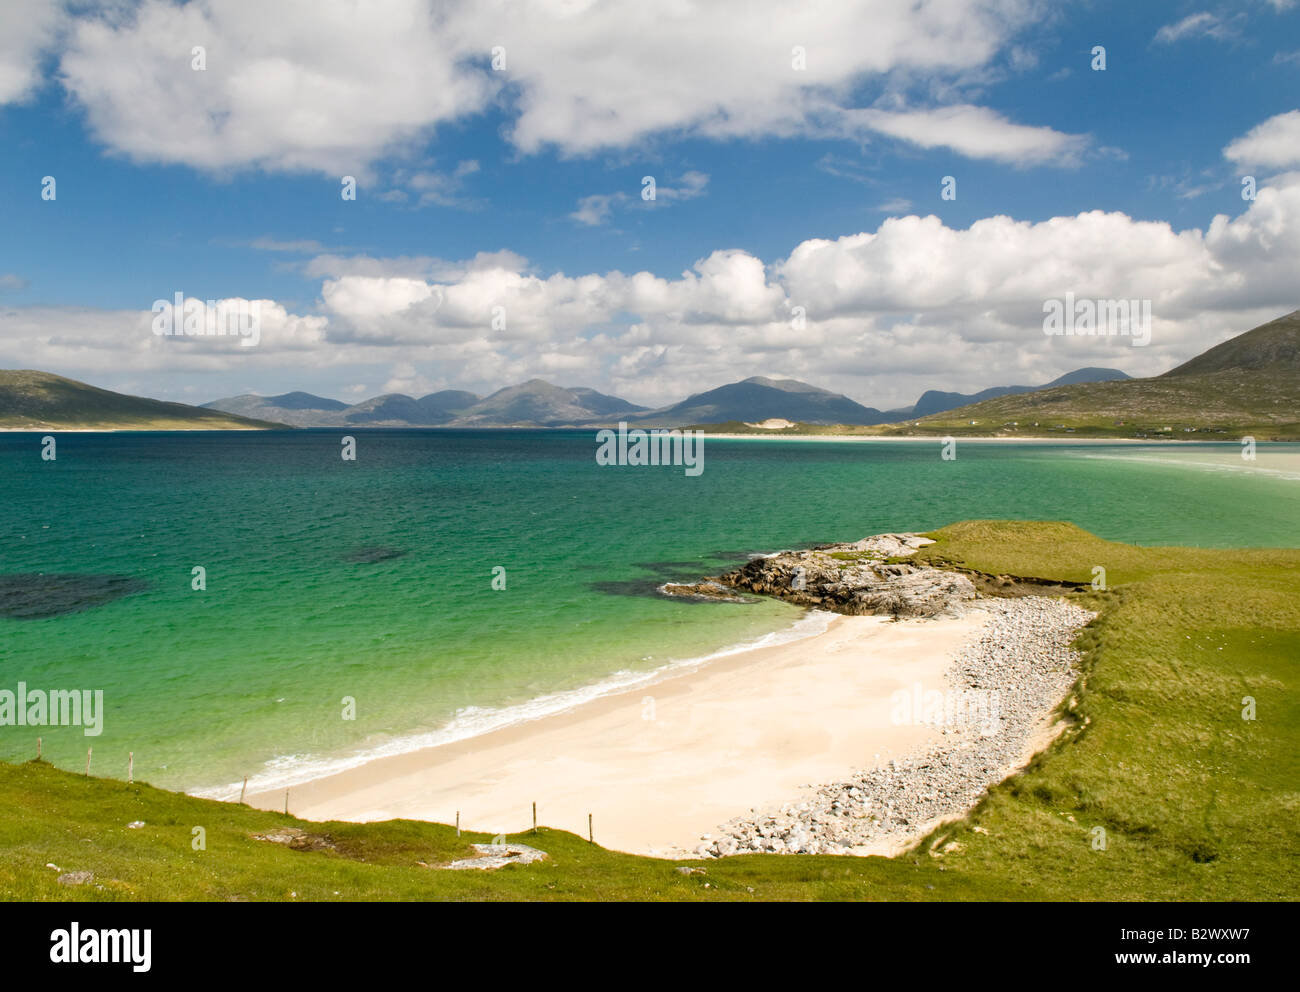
column 492, row 856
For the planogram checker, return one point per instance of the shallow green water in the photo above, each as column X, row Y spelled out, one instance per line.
column 373, row 580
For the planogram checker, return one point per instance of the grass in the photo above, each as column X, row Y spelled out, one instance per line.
column 1195, row 802
column 31, row 400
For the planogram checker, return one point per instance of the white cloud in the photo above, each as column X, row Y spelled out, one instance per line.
column 360, row 298
column 1275, row 144
column 304, row 246
column 27, row 31
column 319, row 86
column 897, row 205
column 1201, row 25
column 846, row 168
column 595, row 210
column 332, row 87
column 975, row 132
column 609, row 75
column 912, row 305
column 692, row 185
column 430, row 188
column 85, row 340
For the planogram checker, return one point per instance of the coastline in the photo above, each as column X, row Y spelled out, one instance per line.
column 658, row 766
column 980, row 438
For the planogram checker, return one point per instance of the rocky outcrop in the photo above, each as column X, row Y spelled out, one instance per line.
column 709, row 590
column 297, row 840
column 492, row 856
column 866, row 577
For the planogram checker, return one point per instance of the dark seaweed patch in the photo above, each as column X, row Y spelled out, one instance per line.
column 628, row 587
column 368, row 556
column 35, row 596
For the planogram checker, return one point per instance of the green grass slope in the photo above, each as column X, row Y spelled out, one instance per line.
column 31, row 400
column 1216, row 406
column 1196, row 803
column 1248, row 385
column 1270, row 347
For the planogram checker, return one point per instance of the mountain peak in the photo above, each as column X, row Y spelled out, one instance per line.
column 1274, row 346
column 759, row 398
column 299, row 400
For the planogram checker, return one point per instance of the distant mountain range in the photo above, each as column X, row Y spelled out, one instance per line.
column 537, row 403
column 933, row 401
column 1251, row 380
column 305, row 410
column 759, row 398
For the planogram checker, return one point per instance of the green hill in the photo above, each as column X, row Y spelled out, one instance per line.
column 1249, row 384
column 41, row 401
column 1271, row 347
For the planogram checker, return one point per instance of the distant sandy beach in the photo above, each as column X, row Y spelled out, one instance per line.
column 659, row 766
column 978, row 439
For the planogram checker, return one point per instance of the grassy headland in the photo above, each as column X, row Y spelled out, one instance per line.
column 41, row 401
column 1196, row 803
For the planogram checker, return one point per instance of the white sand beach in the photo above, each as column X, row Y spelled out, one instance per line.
column 660, row 766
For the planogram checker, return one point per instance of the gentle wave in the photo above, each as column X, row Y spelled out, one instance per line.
column 285, row 771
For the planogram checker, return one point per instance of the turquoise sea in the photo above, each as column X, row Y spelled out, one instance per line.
column 373, row 579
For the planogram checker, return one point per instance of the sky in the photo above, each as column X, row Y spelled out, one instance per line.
column 878, row 197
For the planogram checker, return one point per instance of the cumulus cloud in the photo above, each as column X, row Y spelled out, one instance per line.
column 1274, row 144
column 27, row 31
column 909, row 306
column 333, row 86
column 739, row 68
column 319, row 86
column 880, row 315
column 72, row 339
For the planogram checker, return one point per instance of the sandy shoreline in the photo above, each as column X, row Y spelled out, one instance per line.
column 1171, row 442
column 658, row 766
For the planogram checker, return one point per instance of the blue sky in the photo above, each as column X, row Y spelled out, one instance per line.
column 521, row 189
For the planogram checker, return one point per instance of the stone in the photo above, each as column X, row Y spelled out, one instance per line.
column 493, row 856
